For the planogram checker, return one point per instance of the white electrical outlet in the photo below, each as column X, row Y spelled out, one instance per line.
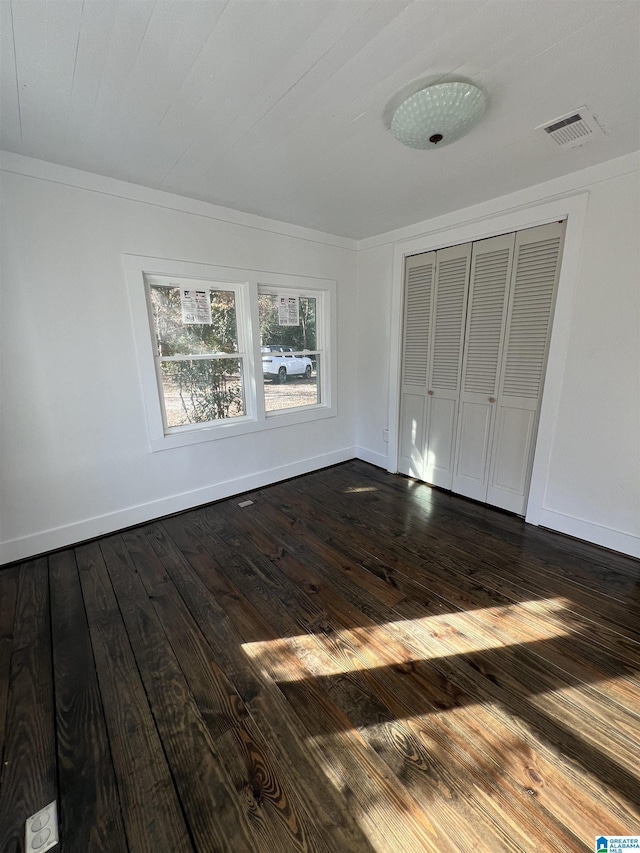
column 385, row 435
column 41, row 830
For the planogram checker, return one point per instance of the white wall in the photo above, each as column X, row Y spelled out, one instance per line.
column 75, row 456
column 591, row 486
column 74, row 452
column 594, row 471
column 375, row 279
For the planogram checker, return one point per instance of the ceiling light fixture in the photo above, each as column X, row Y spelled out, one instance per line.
column 438, row 115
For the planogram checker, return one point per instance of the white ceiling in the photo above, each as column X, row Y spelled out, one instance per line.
column 282, row 107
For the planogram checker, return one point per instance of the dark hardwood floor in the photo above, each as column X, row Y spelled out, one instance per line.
column 355, row 663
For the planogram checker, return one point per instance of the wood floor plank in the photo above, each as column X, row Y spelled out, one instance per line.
column 247, row 524
column 508, row 527
column 334, row 655
column 8, row 595
column 198, row 583
column 151, row 811
column 215, row 813
column 503, row 620
column 276, row 817
column 586, row 563
column 595, row 584
column 29, row 761
column 483, row 526
column 615, row 659
column 597, row 620
column 354, row 663
column 626, row 749
column 89, row 810
column 359, row 768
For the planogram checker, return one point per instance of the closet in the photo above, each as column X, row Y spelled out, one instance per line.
column 477, row 323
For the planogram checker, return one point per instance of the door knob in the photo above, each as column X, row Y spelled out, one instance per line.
column 430, row 393
column 492, row 399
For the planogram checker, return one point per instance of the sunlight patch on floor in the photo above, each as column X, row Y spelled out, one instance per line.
column 326, row 652
column 617, row 716
column 380, row 808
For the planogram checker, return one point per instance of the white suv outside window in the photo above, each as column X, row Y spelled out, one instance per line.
column 281, row 362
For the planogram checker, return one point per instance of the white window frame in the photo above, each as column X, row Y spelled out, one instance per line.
column 141, row 270
column 240, row 293
column 321, row 336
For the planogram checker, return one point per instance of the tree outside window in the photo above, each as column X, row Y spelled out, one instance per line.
column 208, row 387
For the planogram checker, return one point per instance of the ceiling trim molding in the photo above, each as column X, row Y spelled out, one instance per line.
column 556, row 188
column 30, row 167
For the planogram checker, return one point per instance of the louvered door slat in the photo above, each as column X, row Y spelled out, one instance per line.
column 419, row 283
column 486, row 314
column 534, row 280
column 452, row 284
column 419, row 278
column 530, row 318
column 449, row 309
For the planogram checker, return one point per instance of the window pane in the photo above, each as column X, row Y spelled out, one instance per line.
column 173, row 337
column 288, row 390
column 299, row 337
column 202, row 390
column 290, row 377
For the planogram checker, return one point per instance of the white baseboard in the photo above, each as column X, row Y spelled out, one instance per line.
column 607, row 537
column 378, row 459
column 61, row 537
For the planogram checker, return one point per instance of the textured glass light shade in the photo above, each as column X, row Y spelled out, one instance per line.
column 438, row 115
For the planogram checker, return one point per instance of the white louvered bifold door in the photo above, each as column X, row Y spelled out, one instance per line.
column 536, row 268
column 445, row 362
column 418, row 301
column 484, row 337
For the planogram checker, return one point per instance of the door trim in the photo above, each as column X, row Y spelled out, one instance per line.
column 572, row 208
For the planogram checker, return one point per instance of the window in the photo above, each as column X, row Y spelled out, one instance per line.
column 291, row 360
column 199, row 365
column 222, row 352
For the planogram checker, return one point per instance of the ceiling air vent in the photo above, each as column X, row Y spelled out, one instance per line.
column 573, row 129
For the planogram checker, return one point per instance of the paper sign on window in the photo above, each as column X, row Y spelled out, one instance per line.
column 288, row 310
column 196, row 306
